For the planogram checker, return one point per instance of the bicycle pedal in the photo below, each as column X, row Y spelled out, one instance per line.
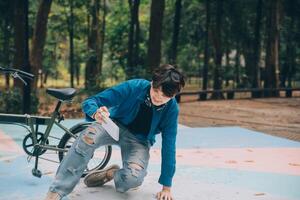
column 36, row 173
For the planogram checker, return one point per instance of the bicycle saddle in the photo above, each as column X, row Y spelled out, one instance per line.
column 62, row 94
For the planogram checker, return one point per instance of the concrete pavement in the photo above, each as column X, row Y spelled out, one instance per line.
column 222, row 163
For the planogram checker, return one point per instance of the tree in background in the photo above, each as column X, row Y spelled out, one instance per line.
column 39, row 38
column 92, row 65
column 117, row 40
column 256, row 51
column 272, row 65
column 173, row 31
column 71, row 40
column 102, row 34
column 176, row 29
column 206, row 51
column 217, row 38
column 155, row 33
column 6, row 13
column 19, row 38
column 133, row 39
column 72, row 20
column 288, row 67
column 21, row 56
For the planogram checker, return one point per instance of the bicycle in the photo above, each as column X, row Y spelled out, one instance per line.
column 36, row 143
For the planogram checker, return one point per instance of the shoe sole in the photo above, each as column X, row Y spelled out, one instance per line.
column 93, row 179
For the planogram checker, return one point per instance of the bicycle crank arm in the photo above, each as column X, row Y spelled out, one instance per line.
column 49, row 147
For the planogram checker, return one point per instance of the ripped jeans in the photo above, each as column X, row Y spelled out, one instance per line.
column 135, row 157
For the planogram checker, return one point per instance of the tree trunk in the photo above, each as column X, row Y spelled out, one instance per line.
column 136, row 49
column 92, row 65
column 19, row 38
column 237, row 66
column 71, row 40
column 155, row 33
column 7, row 34
column 53, row 57
column 227, row 65
column 133, row 39
column 272, row 69
column 288, row 69
column 176, row 28
column 88, row 20
column 218, row 48
column 39, row 38
column 77, row 73
column 102, row 36
column 206, row 51
column 26, row 63
column 129, row 70
column 256, row 56
column 46, row 77
column 41, row 74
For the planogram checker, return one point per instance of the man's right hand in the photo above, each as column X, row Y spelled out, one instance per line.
column 101, row 114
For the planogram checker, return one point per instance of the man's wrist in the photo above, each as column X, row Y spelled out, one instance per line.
column 167, row 188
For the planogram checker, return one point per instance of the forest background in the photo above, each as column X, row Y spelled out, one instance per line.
column 95, row 44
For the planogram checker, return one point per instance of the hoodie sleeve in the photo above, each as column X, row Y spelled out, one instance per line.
column 168, row 151
column 109, row 97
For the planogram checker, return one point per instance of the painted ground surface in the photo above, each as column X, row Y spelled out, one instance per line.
column 212, row 163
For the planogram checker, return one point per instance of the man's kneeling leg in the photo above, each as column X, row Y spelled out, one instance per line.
column 131, row 176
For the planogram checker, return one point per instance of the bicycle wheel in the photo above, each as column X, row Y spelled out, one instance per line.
column 100, row 157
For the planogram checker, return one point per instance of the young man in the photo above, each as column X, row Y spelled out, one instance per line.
column 141, row 109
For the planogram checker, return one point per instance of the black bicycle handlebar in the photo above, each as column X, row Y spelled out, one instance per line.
column 19, row 72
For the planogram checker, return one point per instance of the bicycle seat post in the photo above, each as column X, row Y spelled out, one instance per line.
column 35, row 171
column 58, row 105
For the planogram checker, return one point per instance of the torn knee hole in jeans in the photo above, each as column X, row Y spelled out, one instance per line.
column 135, row 166
column 135, row 169
column 89, row 135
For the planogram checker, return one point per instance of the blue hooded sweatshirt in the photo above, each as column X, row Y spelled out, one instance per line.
column 123, row 102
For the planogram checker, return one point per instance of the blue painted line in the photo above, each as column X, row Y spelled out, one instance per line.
column 272, row 183
column 17, row 181
column 216, row 137
column 228, row 137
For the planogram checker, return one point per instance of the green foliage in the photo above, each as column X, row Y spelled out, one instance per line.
column 11, row 101
column 117, row 35
column 238, row 29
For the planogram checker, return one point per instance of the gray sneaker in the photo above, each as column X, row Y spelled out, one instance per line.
column 100, row 177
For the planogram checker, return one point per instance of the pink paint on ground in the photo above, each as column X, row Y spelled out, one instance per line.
column 272, row 160
column 8, row 145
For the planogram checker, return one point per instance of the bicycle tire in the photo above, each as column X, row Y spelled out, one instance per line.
column 76, row 130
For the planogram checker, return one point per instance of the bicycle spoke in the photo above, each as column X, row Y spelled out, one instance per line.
column 48, row 160
column 54, row 137
column 51, row 152
column 29, row 145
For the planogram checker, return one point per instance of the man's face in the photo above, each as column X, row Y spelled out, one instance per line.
column 157, row 96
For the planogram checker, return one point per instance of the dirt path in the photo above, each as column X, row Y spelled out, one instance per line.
column 275, row 116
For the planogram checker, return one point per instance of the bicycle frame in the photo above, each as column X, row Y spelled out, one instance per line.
column 39, row 141
column 32, row 121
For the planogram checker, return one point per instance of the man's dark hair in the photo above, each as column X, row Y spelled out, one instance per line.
column 169, row 79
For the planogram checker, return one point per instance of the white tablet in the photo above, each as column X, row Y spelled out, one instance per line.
column 111, row 128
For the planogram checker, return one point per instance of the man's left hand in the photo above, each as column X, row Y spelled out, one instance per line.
column 165, row 194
